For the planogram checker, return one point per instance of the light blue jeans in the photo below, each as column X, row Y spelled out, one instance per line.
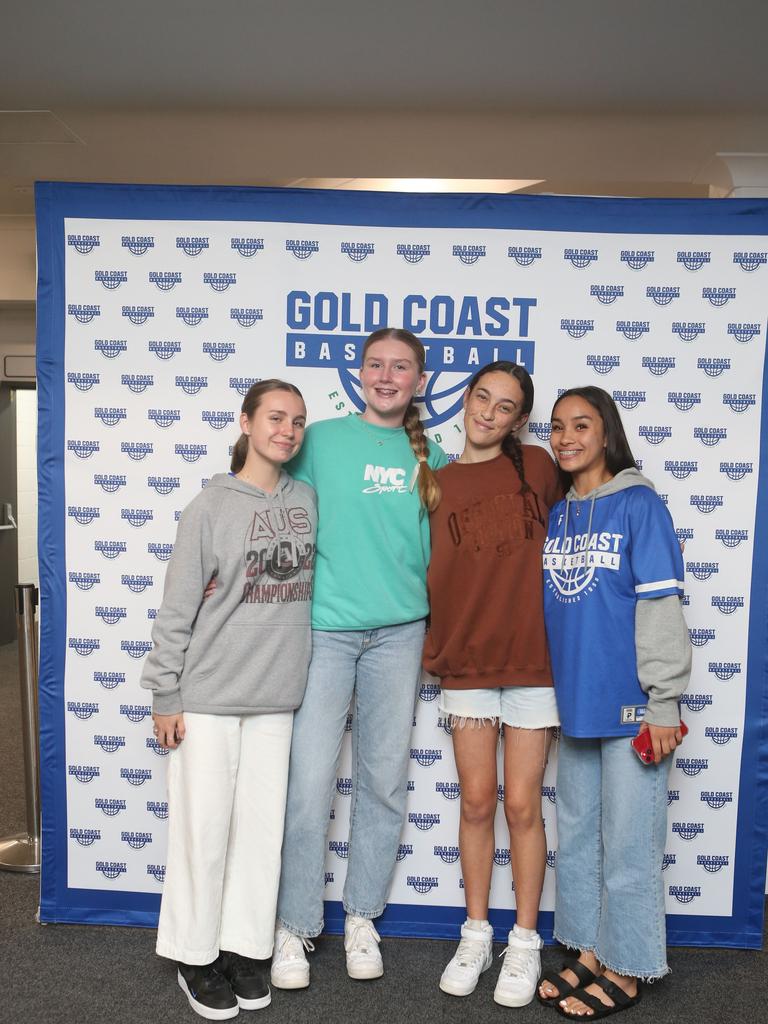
column 612, row 826
column 379, row 669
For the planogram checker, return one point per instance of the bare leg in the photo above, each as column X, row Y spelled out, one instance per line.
column 525, row 757
column 474, row 748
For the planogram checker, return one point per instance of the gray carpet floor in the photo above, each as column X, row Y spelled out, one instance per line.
column 74, row 973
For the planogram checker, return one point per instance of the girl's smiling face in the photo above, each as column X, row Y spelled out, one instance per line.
column 276, row 429
column 578, row 440
column 390, row 376
column 492, row 409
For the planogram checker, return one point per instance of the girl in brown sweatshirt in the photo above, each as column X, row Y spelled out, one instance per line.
column 487, row 644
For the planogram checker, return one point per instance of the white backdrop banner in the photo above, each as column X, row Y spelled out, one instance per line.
column 159, row 306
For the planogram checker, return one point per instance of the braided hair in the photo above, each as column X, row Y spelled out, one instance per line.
column 428, row 487
column 511, row 446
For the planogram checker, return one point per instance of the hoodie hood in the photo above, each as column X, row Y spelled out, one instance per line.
column 284, row 487
column 626, row 478
column 623, row 480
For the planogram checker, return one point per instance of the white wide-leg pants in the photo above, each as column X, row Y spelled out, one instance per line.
column 227, row 784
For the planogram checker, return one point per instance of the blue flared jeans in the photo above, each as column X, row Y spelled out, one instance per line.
column 612, row 826
column 378, row 670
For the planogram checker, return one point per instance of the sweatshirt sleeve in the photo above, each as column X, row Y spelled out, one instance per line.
column 190, row 567
column 663, row 657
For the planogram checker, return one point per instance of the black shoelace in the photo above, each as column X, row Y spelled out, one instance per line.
column 239, row 966
column 212, row 978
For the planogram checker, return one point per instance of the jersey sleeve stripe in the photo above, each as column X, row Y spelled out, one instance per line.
column 643, row 588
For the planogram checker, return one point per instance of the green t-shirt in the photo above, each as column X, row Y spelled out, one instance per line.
column 373, row 532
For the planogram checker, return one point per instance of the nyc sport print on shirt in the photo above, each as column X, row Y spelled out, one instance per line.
column 384, row 480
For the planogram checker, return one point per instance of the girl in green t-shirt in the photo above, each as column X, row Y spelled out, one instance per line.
column 374, row 479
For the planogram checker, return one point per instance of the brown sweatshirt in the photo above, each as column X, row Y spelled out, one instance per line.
column 485, row 578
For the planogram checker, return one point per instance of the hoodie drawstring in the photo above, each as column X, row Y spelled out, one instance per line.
column 568, row 500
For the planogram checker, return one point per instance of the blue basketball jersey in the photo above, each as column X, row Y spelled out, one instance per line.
column 603, row 553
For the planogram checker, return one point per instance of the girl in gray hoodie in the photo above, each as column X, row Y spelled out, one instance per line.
column 226, row 676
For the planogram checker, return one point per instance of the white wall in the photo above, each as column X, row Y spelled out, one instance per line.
column 17, row 259
column 26, row 480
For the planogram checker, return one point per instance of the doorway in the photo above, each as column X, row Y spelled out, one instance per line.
column 18, row 498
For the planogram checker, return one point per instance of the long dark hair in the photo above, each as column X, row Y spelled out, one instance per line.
column 429, row 488
column 511, row 445
column 251, row 403
column 618, row 454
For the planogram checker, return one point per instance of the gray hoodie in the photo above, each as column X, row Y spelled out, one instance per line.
column 245, row 649
column 661, row 636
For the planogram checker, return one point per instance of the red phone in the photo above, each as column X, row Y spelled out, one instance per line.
column 642, row 746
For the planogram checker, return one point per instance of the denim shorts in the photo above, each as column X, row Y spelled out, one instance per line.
column 521, row 707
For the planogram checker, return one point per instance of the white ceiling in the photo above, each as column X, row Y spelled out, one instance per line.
column 532, row 55
column 591, row 96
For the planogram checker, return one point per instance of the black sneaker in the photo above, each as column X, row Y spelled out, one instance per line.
column 248, row 978
column 208, row 991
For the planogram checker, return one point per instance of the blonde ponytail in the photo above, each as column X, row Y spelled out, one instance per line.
column 429, row 489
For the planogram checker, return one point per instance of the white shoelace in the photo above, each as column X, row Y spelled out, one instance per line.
column 292, row 947
column 470, row 952
column 516, row 961
column 363, row 938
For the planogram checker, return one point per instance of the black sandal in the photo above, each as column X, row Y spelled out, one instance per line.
column 621, row 1001
column 564, row 989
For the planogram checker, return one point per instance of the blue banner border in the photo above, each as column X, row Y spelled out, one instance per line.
column 56, row 201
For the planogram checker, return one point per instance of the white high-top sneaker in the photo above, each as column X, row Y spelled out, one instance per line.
column 361, row 942
column 290, row 967
column 520, row 970
column 474, row 955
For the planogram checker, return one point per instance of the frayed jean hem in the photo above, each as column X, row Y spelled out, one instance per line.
column 648, row 978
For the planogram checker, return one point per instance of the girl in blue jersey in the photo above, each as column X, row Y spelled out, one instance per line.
column 621, row 658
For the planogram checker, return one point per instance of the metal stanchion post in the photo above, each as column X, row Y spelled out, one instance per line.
column 22, row 852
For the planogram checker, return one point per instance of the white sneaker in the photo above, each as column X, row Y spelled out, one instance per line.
column 290, row 967
column 520, row 971
column 474, row 955
column 361, row 942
